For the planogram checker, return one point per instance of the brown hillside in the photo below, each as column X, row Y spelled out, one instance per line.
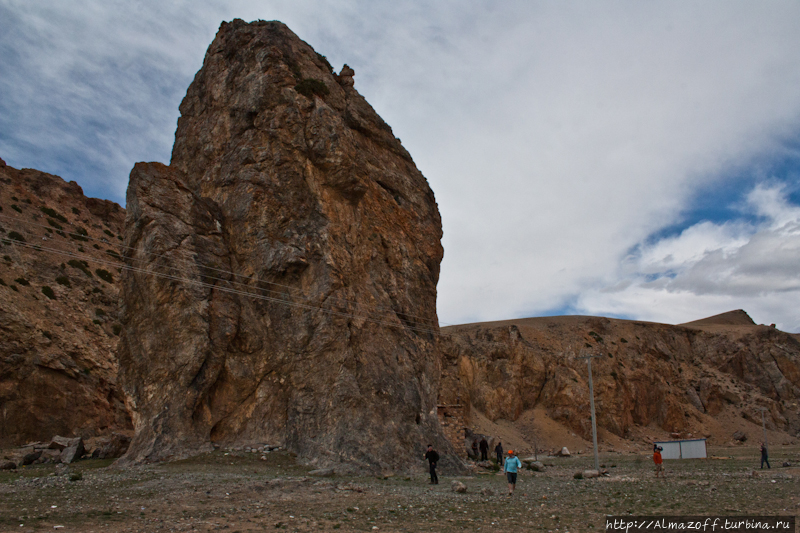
column 650, row 378
column 58, row 309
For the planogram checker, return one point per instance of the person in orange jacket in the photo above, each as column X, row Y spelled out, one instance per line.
column 658, row 460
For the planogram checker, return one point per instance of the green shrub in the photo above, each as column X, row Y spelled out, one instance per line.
column 61, row 233
column 105, row 275
column 27, row 201
column 96, row 246
column 119, row 237
column 15, row 198
column 53, row 213
column 22, row 281
column 47, row 291
column 325, row 62
column 7, row 258
column 54, row 223
column 16, row 208
column 47, row 334
column 116, row 328
column 83, row 266
column 13, row 288
column 114, row 254
column 309, row 87
column 76, row 211
column 99, row 312
column 16, row 236
column 49, row 230
column 95, row 321
column 63, row 280
column 3, row 282
column 108, row 233
column 79, row 234
column 97, row 290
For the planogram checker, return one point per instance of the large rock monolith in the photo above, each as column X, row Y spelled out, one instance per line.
column 285, row 275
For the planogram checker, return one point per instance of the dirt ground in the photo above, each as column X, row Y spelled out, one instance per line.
column 239, row 492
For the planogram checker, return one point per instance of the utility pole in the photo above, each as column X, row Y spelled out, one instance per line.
column 764, row 427
column 591, row 404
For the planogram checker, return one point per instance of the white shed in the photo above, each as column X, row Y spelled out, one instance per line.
column 683, row 449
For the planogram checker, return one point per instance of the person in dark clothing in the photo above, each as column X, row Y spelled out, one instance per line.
column 764, row 458
column 499, row 451
column 475, row 450
column 432, row 458
column 484, row 446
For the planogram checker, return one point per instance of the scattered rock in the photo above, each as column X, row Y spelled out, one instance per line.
column 114, row 446
column 563, row 452
column 739, row 436
column 322, row 472
column 8, row 465
column 73, row 452
column 29, row 458
column 486, row 491
column 589, row 474
column 787, row 464
column 457, row 486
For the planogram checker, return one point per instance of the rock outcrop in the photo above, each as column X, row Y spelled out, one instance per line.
column 58, row 310
column 288, row 259
column 671, row 376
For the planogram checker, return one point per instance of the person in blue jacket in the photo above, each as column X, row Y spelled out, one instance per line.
column 512, row 465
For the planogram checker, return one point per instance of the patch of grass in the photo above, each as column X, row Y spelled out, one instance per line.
column 325, row 62
column 54, row 224
column 53, row 213
column 16, row 236
column 105, row 275
column 83, row 266
column 80, row 234
column 309, row 87
column 47, row 291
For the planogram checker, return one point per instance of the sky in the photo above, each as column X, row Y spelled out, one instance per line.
column 625, row 159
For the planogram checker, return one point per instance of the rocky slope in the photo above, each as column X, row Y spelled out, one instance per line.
column 302, row 249
column 676, row 378
column 58, row 310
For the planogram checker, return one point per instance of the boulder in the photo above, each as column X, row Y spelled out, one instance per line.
column 30, row 458
column 457, row 486
column 112, row 447
column 59, row 443
column 73, row 452
column 739, row 436
column 288, row 260
column 563, row 452
column 589, row 474
column 536, row 466
column 8, row 465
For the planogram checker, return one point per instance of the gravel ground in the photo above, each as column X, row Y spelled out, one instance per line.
column 239, row 492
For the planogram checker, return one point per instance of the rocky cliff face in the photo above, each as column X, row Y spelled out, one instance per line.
column 289, row 257
column 670, row 376
column 58, row 310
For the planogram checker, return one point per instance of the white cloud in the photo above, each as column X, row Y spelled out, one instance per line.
column 711, row 268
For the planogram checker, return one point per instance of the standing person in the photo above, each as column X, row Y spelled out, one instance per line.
column 658, row 460
column 475, row 449
column 513, row 464
column 432, row 458
column 764, row 458
column 499, row 451
column 484, row 449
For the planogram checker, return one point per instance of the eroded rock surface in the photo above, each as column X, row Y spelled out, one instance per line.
column 58, row 315
column 301, row 247
column 675, row 377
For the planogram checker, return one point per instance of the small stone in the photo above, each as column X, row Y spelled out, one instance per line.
column 322, row 472
column 457, row 486
column 589, row 474
column 486, row 491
